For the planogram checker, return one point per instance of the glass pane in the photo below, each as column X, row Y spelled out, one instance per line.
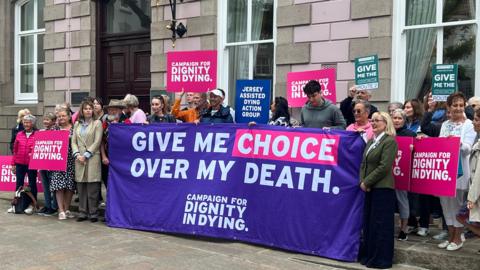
column 458, row 10
column 421, row 55
column 459, row 48
column 237, row 20
column 263, row 65
column 40, row 52
column 26, row 44
column 123, row 16
column 420, row 12
column 262, row 19
column 40, row 80
column 26, row 79
column 27, row 16
column 237, row 70
column 40, row 22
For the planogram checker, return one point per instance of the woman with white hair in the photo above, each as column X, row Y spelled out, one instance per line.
column 136, row 114
column 19, row 126
column 22, row 150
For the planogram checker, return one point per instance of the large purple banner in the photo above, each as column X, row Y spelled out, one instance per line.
column 295, row 189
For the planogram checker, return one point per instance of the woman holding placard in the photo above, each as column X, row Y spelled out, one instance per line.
column 63, row 183
column 86, row 140
column 399, row 119
column 457, row 126
column 376, row 180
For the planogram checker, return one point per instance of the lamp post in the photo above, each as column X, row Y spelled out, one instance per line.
column 177, row 29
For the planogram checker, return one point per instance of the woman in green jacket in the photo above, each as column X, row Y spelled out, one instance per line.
column 376, row 180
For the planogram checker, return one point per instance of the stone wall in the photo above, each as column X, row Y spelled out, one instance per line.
column 69, row 45
column 313, row 34
column 200, row 18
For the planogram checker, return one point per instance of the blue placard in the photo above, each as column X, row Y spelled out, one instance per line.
column 252, row 101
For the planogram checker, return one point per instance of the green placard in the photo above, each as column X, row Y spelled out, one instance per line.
column 366, row 72
column 444, row 81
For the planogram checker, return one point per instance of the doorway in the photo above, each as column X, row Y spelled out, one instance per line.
column 124, row 49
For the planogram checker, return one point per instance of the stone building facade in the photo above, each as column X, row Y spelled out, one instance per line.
column 55, row 51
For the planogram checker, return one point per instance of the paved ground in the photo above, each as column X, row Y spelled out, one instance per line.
column 36, row 242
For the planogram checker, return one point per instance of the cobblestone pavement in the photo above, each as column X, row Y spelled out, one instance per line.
column 37, row 242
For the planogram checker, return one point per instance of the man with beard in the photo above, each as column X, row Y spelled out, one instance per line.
column 115, row 115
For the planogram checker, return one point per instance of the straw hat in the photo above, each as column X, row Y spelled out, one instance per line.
column 116, row 103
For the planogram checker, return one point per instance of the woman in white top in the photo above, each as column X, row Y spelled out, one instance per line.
column 459, row 126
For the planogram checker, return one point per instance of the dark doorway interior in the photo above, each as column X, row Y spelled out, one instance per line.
column 123, row 50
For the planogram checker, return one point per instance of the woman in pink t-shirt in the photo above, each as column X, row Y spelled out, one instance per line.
column 361, row 110
column 136, row 114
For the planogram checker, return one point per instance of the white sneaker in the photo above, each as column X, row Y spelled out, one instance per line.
column 443, row 244
column 441, row 236
column 62, row 216
column 422, row 232
column 452, row 246
column 11, row 210
column 69, row 214
column 29, row 210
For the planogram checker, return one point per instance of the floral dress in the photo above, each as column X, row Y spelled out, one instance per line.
column 65, row 180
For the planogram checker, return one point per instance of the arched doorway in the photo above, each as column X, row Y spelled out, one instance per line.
column 123, row 47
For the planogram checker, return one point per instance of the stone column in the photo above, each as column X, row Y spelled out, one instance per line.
column 69, row 49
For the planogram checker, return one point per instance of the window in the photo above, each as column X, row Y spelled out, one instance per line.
column 428, row 32
column 246, row 37
column 29, row 55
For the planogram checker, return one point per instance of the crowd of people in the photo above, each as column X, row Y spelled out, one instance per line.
column 88, row 160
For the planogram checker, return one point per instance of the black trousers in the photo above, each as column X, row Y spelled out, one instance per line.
column 376, row 246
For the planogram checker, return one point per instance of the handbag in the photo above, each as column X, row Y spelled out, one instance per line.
column 22, row 200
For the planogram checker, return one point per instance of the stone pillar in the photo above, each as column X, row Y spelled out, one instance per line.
column 69, row 49
column 319, row 34
column 200, row 19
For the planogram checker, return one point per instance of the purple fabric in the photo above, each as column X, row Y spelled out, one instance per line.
column 319, row 222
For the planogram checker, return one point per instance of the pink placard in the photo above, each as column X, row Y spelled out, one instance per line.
column 50, row 150
column 8, row 179
column 403, row 163
column 435, row 166
column 286, row 146
column 297, row 80
column 194, row 71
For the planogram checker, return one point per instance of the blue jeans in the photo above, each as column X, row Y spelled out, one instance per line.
column 23, row 170
column 50, row 199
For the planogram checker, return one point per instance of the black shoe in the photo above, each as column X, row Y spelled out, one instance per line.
column 80, row 219
column 43, row 211
column 50, row 212
column 93, row 219
column 402, row 236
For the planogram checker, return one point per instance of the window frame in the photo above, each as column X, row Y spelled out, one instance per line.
column 223, row 45
column 26, row 98
column 399, row 44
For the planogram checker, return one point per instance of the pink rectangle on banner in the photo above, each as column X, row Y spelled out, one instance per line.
column 403, row 163
column 286, row 146
column 297, row 80
column 8, row 179
column 435, row 166
column 194, row 71
column 50, row 150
